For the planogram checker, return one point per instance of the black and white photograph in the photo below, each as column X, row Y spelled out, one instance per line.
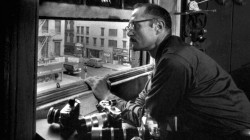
column 125, row 70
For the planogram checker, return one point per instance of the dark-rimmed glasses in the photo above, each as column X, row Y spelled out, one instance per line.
column 131, row 24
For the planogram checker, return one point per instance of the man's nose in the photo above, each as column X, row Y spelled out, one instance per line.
column 130, row 33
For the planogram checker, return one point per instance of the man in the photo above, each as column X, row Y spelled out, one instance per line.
column 185, row 83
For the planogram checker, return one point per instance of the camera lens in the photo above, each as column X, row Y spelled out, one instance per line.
column 98, row 133
column 53, row 115
column 97, row 120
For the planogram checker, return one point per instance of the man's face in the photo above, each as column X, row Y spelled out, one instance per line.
column 141, row 31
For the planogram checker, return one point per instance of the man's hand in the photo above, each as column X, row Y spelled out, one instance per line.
column 99, row 87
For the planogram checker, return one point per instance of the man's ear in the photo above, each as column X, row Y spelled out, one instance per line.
column 159, row 26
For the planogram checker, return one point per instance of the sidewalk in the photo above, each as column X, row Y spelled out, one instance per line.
column 50, row 85
column 116, row 67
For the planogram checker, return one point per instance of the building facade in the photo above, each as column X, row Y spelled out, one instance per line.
column 103, row 39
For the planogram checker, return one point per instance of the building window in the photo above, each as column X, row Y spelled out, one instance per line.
column 124, row 33
column 57, row 48
column 58, row 26
column 102, row 42
column 102, row 31
column 87, row 30
column 71, row 37
column 71, row 24
column 45, row 26
column 112, row 32
column 82, row 39
column 113, row 43
column 87, row 40
column 45, row 50
column 78, row 29
column 94, row 41
column 124, row 43
column 67, row 25
column 77, row 39
column 68, row 37
column 82, row 30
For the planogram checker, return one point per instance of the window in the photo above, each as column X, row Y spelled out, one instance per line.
column 87, row 30
column 82, row 39
column 102, row 42
column 112, row 32
column 57, row 48
column 45, row 26
column 58, row 26
column 82, row 30
column 67, row 24
column 45, row 50
column 102, row 31
column 124, row 33
column 94, row 41
column 113, row 43
column 124, row 44
column 71, row 37
column 77, row 38
column 87, row 40
column 71, row 46
column 67, row 37
column 78, row 29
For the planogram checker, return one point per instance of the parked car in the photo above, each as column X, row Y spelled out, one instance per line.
column 72, row 68
column 94, row 62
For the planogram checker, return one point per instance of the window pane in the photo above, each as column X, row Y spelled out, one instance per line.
column 102, row 42
column 124, row 44
column 87, row 30
column 45, row 25
column 124, row 33
column 113, row 43
column 82, row 30
column 62, row 58
column 112, row 32
column 94, row 39
column 102, row 31
column 58, row 26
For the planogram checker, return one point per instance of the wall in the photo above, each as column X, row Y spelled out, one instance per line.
column 18, row 63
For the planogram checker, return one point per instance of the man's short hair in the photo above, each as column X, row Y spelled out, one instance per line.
column 156, row 11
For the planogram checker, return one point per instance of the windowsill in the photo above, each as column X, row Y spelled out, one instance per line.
column 51, row 132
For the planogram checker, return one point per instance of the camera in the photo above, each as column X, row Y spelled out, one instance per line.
column 67, row 117
column 105, row 125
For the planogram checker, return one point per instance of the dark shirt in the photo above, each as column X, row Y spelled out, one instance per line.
column 189, row 84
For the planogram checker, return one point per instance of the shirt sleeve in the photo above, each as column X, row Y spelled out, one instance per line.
column 132, row 110
column 168, row 87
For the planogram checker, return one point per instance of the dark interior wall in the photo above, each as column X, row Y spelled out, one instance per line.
column 18, row 64
column 228, row 34
column 228, row 39
column 219, row 32
column 241, row 36
column 240, row 60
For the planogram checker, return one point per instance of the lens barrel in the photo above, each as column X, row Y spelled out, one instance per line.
column 53, row 115
column 86, row 123
column 98, row 133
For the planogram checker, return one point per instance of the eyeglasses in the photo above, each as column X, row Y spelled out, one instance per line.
column 131, row 25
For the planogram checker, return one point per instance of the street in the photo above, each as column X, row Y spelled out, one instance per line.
column 68, row 79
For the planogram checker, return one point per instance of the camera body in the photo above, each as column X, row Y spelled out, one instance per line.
column 67, row 117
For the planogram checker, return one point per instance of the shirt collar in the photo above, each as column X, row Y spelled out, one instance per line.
column 170, row 44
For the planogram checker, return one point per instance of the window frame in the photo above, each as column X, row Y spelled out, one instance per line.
column 122, row 75
column 46, row 98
